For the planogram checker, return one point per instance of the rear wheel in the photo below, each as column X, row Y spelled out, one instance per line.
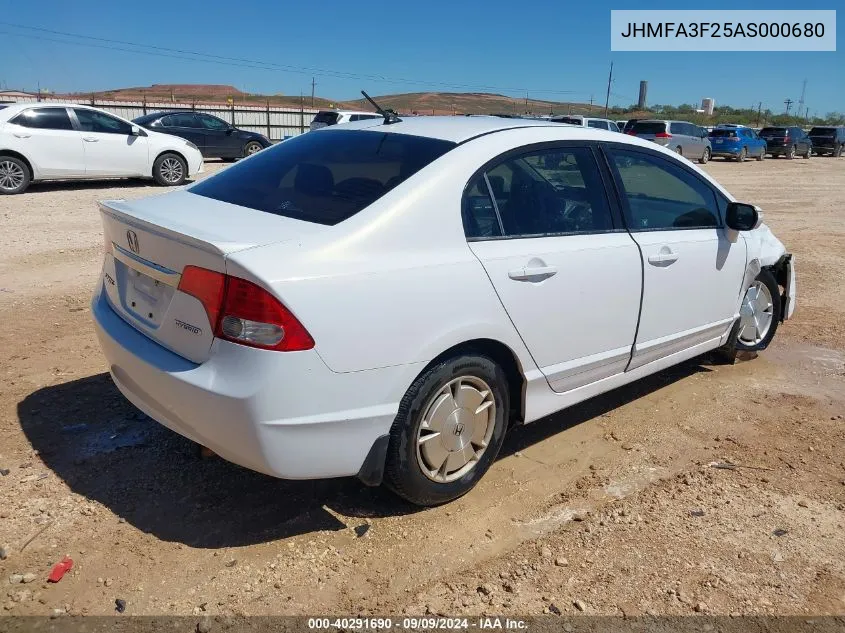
column 170, row 170
column 743, row 154
column 759, row 314
column 449, row 428
column 705, row 156
column 679, row 151
column 14, row 175
column 790, row 154
column 762, row 155
column 809, row 152
column 838, row 151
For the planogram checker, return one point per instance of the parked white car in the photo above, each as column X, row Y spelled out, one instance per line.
column 586, row 121
column 56, row 141
column 386, row 300
column 325, row 118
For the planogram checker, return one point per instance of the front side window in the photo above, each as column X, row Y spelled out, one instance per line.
column 212, row 123
column 661, row 195
column 44, row 119
column 323, row 178
column 545, row 192
column 597, row 124
column 93, row 121
column 184, row 119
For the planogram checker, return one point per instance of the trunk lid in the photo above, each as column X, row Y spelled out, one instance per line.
column 149, row 243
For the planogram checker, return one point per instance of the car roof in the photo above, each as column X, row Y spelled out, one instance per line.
column 459, row 129
column 13, row 108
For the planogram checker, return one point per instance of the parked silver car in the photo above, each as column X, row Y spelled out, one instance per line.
column 687, row 139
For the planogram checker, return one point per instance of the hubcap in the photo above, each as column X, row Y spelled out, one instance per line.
column 252, row 148
column 11, row 175
column 457, row 425
column 755, row 315
column 171, row 170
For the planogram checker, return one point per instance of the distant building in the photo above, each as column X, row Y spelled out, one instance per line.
column 16, row 94
column 642, row 101
column 707, row 104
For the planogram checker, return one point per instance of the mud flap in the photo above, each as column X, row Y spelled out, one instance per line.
column 372, row 470
column 728, row 353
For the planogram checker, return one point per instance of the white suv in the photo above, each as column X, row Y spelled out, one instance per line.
column 586, row 121
column 59, row 141
column 326, row 118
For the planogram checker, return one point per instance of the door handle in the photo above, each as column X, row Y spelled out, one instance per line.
column 22, row 135
column 663, row 258
column 532, row 273
column 90, row 139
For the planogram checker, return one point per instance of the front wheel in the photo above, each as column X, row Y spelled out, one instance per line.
column 14, row 175
column 762, row 155
column 743, row 154
column 808, row 153
column 170, row 170
column 679, row 151
column 252, row 147
column 449, row 429
column 759, row 314
column 705, row 156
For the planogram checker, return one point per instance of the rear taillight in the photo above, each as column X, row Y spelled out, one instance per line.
column 662, row 135
column 243, row 312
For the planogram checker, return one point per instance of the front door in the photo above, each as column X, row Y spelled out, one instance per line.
column 693, row 265
column 110, row 147
column 220, row 139
column 566, row 273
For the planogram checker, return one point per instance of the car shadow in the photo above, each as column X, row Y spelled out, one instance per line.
column 106, row 450
column 47, row 186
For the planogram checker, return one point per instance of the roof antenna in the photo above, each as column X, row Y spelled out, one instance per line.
column 389, row 115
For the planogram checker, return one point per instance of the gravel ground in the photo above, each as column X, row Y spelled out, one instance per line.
column 617, row 506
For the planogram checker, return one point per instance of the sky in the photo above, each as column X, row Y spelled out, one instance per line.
column 549, row 49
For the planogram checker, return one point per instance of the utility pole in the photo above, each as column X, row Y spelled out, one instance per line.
column 526, row 101
column 313, row 83
column 788, row 104
column 591, row 104
column 801, row 100
column 759, row 108
column 607, row 99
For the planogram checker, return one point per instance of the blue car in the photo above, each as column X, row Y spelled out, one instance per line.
column 737, row 142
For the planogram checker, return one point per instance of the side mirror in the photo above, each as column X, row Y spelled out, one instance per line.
column 136, row 131
column 743, row 217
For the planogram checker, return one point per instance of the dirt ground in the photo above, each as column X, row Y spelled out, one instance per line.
column 615, row 507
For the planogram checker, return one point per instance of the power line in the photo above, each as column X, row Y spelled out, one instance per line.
column 189, row 55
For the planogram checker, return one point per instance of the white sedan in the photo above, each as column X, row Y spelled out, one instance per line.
column 55, row 141
column 385, row 300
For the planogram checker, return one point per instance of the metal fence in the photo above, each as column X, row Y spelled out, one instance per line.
column 275, row 122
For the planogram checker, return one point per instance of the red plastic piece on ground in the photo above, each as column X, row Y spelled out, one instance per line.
column 60, row 569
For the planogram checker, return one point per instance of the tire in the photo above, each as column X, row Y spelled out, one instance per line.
column 791, row 153
column 678, row 151
column 411, row 468
column 705, row 156
column 170, row 170
column 809, row 153
column 764, row 290
column 762, row 155
column 252, row 147
column 742, row 155
column 838, row 151
column 14, row 175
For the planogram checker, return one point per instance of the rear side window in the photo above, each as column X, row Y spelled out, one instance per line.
column 723, row 134
column 323, row 177
column 44, row 119
column 648, row 127
column 568, row 119
column 663, row 196
column 547, row 192
column 773, row 131
column 823, row 131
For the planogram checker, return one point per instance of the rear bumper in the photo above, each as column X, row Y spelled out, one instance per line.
column 720, row 150
column 283, row 414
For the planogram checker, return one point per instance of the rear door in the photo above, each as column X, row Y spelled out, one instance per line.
column 110, row 147
column 566, row 272
column 693, row 266
column 47, row 137
column 188, row 126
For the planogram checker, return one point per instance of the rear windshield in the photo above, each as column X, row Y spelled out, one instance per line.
column 324, row 176
column 329, row 118
column 649, row 127
column 773, row 131
column 823, row 131
column 723, row 133
column 567, row 119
